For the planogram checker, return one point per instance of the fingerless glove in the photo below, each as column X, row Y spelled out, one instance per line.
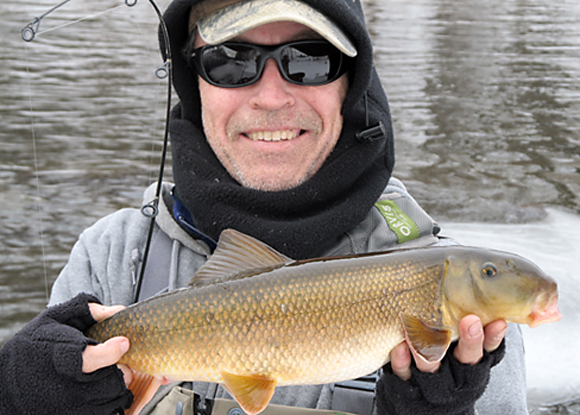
column 41, row 367
column 452, row 390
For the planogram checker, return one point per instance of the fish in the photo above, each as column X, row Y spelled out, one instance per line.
column 253, row 319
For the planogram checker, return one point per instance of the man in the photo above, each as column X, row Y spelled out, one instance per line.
column 282, row 132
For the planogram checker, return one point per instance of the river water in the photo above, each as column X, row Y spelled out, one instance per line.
column 485, row 98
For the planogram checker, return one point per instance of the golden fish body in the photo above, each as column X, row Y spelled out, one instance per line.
column 262, row 320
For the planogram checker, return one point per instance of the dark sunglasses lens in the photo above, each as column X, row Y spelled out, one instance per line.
column 231, row 65
column 311, row 63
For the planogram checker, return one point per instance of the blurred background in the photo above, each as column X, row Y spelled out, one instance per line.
column 485, row 99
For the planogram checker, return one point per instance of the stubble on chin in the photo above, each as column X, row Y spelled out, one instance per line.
column 239, row 165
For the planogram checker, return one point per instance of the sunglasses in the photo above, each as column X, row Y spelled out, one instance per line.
column 233, row 65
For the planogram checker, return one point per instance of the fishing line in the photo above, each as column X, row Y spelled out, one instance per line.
column 36, row 175
column 160, row 76
column 151, row 209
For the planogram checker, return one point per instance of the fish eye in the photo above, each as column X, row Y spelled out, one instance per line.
column 489, row 270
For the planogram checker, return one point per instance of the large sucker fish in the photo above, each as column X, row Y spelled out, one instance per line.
column 254, row 319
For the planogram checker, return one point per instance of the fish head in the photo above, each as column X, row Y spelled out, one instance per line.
column 498, row 285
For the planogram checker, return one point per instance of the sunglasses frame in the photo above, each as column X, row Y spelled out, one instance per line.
column 266, row 52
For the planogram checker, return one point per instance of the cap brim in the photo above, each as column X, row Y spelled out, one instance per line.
column 238, row 18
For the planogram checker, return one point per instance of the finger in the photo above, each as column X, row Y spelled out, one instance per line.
column 127, row 373
column 494, row 334
column 401, row 361
column 104, row 354
column 469, row 350
column 101, row 312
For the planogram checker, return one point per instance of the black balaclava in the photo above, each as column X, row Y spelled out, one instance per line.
column 303, row 221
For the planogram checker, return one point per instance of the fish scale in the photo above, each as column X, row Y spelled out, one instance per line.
column 255, row 319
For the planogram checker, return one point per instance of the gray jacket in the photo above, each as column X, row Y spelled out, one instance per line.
column 107, row 257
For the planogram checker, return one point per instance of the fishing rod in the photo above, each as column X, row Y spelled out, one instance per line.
column 32, row 29
column 152, row 208
column 165, row 71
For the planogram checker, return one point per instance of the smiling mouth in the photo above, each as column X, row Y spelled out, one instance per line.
column 283, row 135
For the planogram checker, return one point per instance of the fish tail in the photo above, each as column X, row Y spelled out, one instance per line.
column 143, row 387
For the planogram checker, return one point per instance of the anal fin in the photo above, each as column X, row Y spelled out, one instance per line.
column 429, row 342
column 253, row 392
column 143, row 387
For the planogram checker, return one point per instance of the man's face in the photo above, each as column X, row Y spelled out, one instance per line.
column 272, row 135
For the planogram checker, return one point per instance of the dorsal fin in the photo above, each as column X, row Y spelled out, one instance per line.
column 238, row 255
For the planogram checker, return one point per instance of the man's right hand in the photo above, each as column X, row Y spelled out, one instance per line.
column 107, row 353
column 51, row 367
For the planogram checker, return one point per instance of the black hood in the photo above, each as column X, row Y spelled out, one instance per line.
column 304, row 221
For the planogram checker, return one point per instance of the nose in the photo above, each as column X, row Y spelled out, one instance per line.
column 272, row 92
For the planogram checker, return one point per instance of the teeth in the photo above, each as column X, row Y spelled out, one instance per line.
column 272, row 135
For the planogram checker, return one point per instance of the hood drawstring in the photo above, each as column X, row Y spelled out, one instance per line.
column 370, row 134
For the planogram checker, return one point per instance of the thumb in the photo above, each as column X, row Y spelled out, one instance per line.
column 104, row 354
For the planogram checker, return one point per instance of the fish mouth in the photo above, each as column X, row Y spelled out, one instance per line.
column 278, row 135
column 545, row 312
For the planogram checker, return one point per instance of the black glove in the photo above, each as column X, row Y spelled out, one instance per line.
column 41, row 367
column 452, row 390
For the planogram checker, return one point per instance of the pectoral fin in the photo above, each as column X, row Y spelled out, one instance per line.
column 143, row 387
column 253, row 393
column 429, row 342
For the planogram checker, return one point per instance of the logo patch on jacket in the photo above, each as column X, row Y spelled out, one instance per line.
column 399, row 222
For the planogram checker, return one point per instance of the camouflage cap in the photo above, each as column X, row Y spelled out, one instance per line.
column 217, row 24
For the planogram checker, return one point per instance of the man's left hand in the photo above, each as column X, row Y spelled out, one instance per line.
column 473, row 339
